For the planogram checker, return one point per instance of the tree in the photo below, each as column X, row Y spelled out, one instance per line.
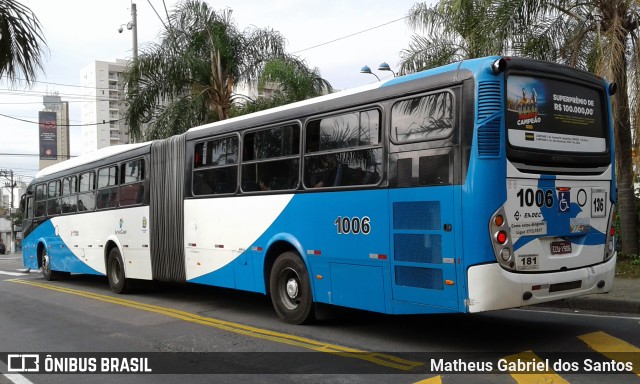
column 293, row 78
column 290, row 79
column 22, row 44
column 595, row 35
column 451, row 30
column 187, row 78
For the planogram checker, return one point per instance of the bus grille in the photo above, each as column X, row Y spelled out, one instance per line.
column 489, row 112
column 489, row 99
column 416, row 215
column 429, row 278
column 489, row 138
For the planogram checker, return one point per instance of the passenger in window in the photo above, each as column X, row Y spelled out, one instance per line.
column 264, row 185
column 81, row 206
column 330, row 174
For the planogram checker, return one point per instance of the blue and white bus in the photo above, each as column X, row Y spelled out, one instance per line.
column 480, row 185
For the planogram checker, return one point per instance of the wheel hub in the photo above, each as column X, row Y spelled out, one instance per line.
column 292, row 288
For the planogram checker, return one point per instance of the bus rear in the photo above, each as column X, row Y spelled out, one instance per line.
column 552, row 231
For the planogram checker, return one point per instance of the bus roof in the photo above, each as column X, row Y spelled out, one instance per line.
column 302, row 103
column 340, row 94
column 89, row 158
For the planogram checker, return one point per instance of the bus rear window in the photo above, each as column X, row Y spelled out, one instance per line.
column 553, row 115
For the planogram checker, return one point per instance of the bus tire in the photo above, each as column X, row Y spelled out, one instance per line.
column 115, row 272
column 47, row 272
column 46, row 266
column 290, row 289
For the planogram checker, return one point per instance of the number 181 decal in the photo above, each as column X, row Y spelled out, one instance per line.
column 353, row 225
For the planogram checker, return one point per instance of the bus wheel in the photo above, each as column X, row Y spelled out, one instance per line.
column 46, row 266
column 47, row 272
column 115, row 272
column 291, row 289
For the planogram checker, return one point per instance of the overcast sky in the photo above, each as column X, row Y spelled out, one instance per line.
column 79, row 32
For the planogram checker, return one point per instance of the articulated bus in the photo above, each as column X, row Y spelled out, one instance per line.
column 480, row 185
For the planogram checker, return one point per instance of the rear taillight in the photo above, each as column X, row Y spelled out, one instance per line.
column 610, row 244
column 501, row 240
column 502, row 237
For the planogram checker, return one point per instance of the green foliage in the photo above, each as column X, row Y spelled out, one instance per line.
column 22, row 43
column 293, row 78
column 187, row 78
column 16, row 218
column 290, row 80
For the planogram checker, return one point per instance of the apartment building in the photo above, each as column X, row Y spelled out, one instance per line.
column 103, row 109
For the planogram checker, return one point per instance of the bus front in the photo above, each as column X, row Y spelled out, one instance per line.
column 552, row 231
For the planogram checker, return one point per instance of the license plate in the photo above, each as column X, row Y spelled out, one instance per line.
column 560, row 247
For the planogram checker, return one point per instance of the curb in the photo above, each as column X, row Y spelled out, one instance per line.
column 595, row 303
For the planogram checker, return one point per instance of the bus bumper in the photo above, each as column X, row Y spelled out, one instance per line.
column 491, row 287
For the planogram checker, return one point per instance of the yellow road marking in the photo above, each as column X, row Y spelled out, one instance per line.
column 302, row 342
column 431, row 380
column 612, row 347
column 533, row 377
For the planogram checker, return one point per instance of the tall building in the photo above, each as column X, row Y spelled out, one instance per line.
column 103, row 111
column 53, row 131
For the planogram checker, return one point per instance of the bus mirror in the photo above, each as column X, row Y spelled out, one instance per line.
column 23, row 199
column 499, row 66
column 613, row 88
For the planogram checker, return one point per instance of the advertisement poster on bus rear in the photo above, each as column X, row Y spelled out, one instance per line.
column 554, row 115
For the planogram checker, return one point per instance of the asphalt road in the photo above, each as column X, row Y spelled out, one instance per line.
column 236, row 337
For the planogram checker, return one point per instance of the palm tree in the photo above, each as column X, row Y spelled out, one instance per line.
column 450, row 31
column 21, row 42
column 187, row 79
column 596, row 35
column 291, row 79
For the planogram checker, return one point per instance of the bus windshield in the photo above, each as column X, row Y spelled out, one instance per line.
column 546, row 114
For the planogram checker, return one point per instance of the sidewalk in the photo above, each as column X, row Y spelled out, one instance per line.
column 623, row 298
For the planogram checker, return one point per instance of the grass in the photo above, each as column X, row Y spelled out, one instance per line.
column 628, row 267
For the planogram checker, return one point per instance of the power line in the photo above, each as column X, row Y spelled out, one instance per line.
column 353, row 34
column 66, row 85
column 63, row 125
column 26, row 93
column 34, row 155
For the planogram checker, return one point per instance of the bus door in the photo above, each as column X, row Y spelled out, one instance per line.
column 422, row 211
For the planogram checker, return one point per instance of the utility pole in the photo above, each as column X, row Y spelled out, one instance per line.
column 134, row 27
column 11, row 185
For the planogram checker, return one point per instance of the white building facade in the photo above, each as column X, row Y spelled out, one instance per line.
column 102, row 114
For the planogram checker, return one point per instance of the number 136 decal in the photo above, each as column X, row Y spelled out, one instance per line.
column 353, row 225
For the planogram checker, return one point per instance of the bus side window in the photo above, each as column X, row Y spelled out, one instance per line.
column 271, row 159
column 107, row 195
column 429, row 117
column 132, row 182
column 54, row 202
column 87, row 196
column 28, row 206
column 343, row 150
column 40, row 208
column 216, row 167
column 69, row 199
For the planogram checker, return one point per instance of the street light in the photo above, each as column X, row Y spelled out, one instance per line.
column 133, row 27
column 382, row 67
column 385, row 67
column 367, row 70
